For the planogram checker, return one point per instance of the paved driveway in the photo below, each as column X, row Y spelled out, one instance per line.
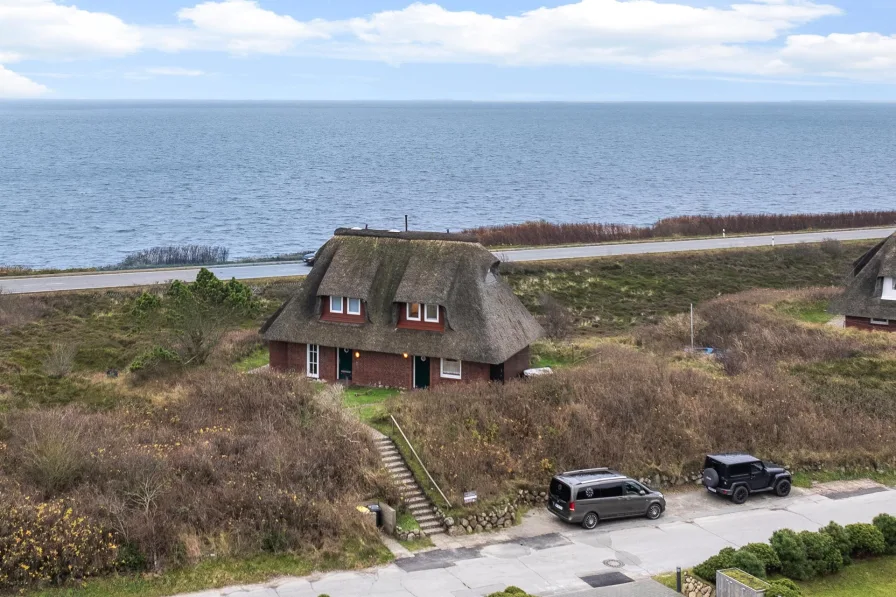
column 547, row 557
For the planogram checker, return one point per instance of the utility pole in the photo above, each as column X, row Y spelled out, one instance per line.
column 692, row 327
column 405, row 222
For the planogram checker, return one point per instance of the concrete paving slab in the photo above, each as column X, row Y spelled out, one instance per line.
column 861, row 508
column 754, row 526
column 486, row 572
column 431, row 583
column 661, row 548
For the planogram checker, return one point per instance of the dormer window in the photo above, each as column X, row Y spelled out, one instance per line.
column 413, row 311
column 336, row 304
column 354, row 306
column 431, row 313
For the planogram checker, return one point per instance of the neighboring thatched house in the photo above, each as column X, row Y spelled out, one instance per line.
column 869, row 300
column 402, row 309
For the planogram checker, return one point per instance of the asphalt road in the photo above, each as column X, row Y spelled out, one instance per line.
column 19, row 285
column 547, row 557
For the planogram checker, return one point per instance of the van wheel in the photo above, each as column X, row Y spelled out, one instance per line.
column 740, row 495
column 654, row 511
column 590, row 521
column 782, row 488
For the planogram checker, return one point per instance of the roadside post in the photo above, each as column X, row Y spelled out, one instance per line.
column 678, row 579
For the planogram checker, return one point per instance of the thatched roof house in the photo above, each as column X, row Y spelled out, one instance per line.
column 405, row 309
column 869, row 300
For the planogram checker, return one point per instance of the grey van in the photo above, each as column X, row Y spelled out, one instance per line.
column 588, row 496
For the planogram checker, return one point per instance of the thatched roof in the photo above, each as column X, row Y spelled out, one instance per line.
column 864, row 285
column 485, row 321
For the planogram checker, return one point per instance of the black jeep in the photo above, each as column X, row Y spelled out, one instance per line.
column 739, row 475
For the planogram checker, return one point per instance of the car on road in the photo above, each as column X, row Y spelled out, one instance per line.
column 589, row 496
column 740, row 475
column 310, row 257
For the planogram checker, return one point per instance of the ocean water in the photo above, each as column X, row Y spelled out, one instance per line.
column 84, row 183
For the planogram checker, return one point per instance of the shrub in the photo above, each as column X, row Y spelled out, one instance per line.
column 832, row 247
column 766, row 555
column 783, row 587
column 887, row 526
column 556, row 319
column 841, row 539
column 792, row 553
column 146, row 303
column 49, row 448
column 722, row 560
column 175, row 255
column 61, row 360
column 154, row 362
column 867, row 540
column 749, row 562
column 510, row 592
column 49, row 543
column 824, row 556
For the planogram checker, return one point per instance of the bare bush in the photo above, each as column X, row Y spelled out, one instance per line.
column 175, row 255
column 61, row 360
column 548, row 233
column 832, row 248
column 556, row 320
column 18, row 310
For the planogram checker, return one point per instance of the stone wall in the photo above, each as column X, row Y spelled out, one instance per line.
column 694, row 587
column 497, row 517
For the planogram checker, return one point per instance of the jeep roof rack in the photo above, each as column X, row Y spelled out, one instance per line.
column 734, row 458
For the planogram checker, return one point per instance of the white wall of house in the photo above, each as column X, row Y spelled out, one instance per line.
column 889, row 292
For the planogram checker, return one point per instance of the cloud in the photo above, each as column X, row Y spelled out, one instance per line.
column 175, row 71
column 14, row 85
column 44, row 29
column 243, row 27
column 747, row 38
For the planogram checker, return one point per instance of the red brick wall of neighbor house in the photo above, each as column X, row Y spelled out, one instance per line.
column 864, row 323
column 515, row 365
column 327, row 315
column 296, row 357
column 278, row 355
column 431, row 326
column 328, row 364
column 382, row 369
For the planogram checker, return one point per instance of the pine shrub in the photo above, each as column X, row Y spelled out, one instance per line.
column 792, row 553
column 841, row 539
column 867, row 540
column 887, row 526
column 722, row 560
column 766, row 555
column 749, row 562
column 824, row 556
column 783, row 587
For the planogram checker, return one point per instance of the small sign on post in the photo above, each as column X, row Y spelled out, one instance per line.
column 470, row 497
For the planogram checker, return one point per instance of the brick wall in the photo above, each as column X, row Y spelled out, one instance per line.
column 864, row 323
column 515, row 365
column 469, row 371
column 383, row 369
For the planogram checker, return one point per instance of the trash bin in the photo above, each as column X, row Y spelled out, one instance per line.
column 375, row 508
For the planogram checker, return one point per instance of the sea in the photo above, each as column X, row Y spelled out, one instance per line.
column 84, row 183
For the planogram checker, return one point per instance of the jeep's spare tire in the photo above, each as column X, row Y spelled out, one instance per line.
column 710, row 477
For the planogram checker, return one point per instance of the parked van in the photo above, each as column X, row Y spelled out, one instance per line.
column 588, row 496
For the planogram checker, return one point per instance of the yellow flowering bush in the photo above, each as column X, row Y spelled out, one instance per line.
column 48, row 543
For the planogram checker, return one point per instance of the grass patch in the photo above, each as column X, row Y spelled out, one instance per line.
column 805, row 479
column 808, row 311
column 258, row 358
column 407, row 522
column 669, row 579
column 368, row 403
column 225, row 572
column 417, row 544
column 612, row 294
column 872, row 578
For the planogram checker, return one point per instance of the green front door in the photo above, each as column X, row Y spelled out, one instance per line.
column 421, row 372
column 344, row 363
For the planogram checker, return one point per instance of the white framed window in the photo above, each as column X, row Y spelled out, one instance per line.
column 413, row 311
column 335, row 304
column 354, row 306
column 880, row 321
column 451, row 368
column 312, row 366
column 431, row 312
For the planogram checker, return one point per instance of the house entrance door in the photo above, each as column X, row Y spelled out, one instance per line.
column 421, row 372
column 344, row 363
column 496, row 372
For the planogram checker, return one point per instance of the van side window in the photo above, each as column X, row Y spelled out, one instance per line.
column 588, row 493
column 614, row 490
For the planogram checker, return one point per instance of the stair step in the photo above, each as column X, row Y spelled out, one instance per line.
column 390, row 452
column 396, row 465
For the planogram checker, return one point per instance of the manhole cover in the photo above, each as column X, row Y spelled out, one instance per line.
column 613, row 563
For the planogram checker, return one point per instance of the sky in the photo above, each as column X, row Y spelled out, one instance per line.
column 488, row 50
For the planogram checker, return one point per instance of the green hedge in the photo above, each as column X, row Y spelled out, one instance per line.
column 805, row 555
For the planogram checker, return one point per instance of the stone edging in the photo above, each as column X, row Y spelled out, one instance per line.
column 692, row 586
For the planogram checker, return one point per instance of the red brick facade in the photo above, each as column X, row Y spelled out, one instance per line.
column 384, row 369
column 864, row 323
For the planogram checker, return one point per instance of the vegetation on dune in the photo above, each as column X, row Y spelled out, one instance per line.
column 610, row 295
column 671, row 409
column 548, row 233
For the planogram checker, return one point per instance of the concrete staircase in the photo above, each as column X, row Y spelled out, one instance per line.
column 418, row 504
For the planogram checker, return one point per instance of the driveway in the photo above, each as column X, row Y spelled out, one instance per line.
column 83, row 281
column 546, row 557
